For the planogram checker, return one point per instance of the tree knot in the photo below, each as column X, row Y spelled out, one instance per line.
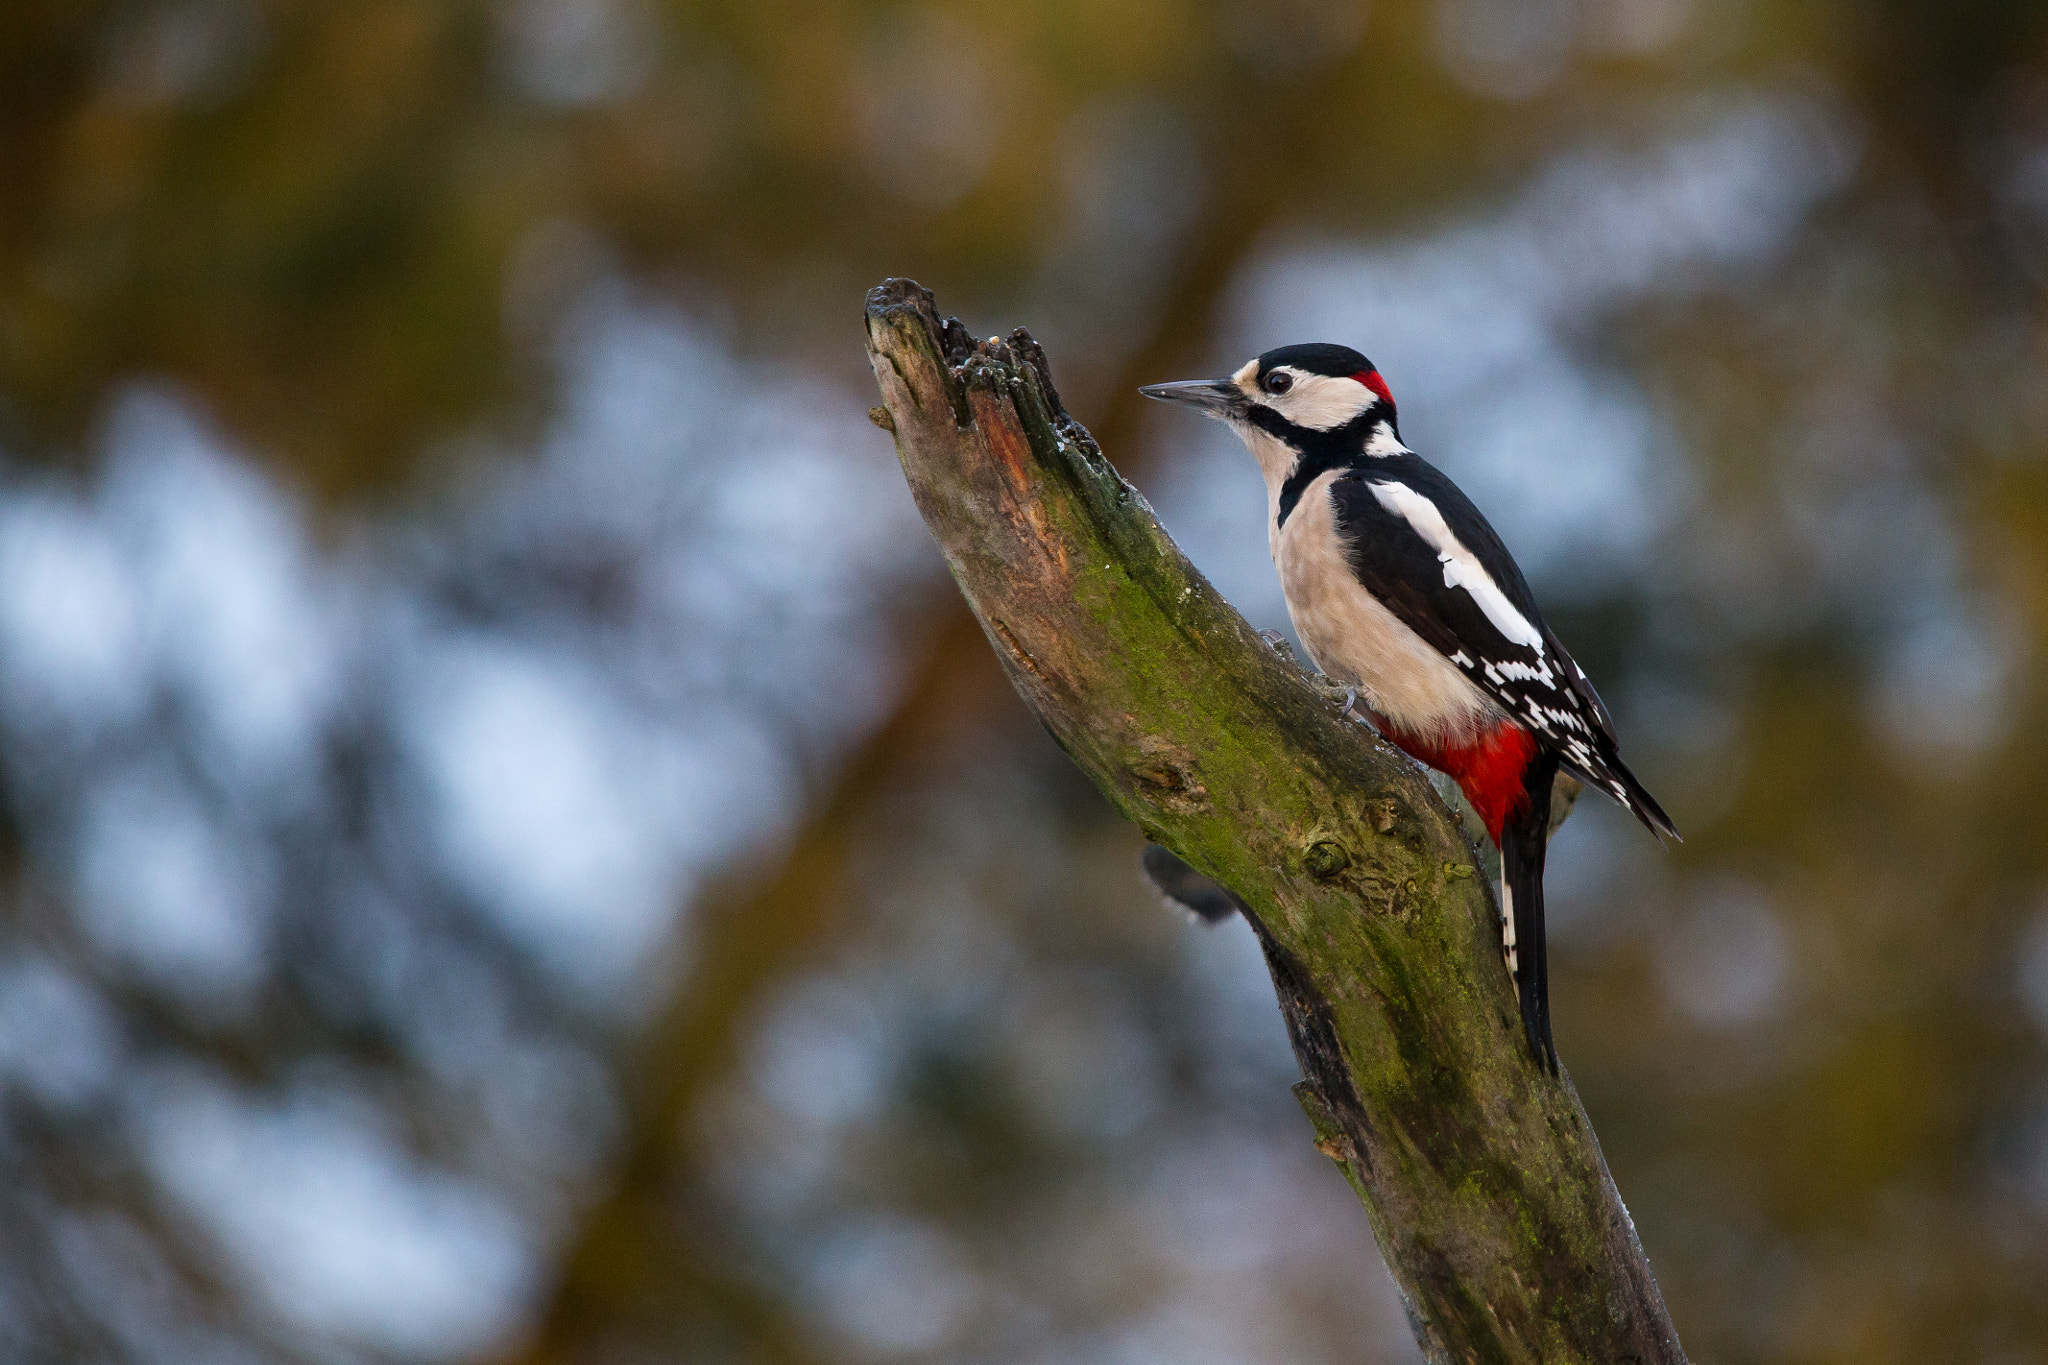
column 1326, row 859
column 1165, row 775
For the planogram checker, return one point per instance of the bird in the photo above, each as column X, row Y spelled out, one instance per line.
column 1401, row 591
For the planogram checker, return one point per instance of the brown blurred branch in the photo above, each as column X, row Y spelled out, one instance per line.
column 1481, row 1176
column 642, row 1270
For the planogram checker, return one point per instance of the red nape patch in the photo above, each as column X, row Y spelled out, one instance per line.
column 1371, row 379
column 1489, row 770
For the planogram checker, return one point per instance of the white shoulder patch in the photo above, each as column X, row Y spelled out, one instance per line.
column 1462, row 568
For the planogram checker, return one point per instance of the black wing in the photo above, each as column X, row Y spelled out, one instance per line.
column 1543, row 689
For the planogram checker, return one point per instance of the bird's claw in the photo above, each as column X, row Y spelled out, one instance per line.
column 1344, row 694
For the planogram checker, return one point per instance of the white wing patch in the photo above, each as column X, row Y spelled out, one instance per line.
column 1462, row 568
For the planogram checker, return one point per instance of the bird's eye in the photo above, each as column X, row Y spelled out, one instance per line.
column 1277, row 382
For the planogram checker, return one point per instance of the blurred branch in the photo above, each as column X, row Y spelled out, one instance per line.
column 1481, row 1176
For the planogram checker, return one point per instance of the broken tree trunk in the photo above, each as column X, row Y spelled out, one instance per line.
column 1480, row 1174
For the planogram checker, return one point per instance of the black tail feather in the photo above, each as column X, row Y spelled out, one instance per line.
column 1523, row 841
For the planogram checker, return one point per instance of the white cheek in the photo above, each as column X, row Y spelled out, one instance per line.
column 1321, row 403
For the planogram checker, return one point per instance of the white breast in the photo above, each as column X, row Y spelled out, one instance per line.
column 1356, row 640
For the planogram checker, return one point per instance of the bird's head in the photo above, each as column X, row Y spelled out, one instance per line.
column 1315, row 396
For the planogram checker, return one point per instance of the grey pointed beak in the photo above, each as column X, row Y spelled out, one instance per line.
column 1216, row 397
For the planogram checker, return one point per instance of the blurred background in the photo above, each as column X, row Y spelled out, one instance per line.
column 511, row 849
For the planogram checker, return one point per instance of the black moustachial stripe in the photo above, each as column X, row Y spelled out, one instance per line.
column 1321, row 451
column 1306, row 472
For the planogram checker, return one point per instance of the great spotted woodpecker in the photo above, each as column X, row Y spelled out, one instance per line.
column 1398, row 587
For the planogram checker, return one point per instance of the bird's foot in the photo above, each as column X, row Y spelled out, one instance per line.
column 1277, row 642
column 1344, row 694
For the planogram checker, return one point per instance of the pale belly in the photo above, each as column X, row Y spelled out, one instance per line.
column 1356, row 640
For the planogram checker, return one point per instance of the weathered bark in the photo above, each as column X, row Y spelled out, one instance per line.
column 1480, row 1175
